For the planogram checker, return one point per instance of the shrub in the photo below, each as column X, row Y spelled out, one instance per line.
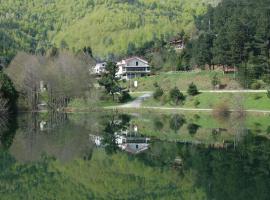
column 193, row 128
column 257, row 96
column 222, row 111
column 256, row 85
column 124, row 97
column 158, row 93
column 268, row 130
column 215, row 81
column 158, row 124
column 155, row 84
column 177, row 121
column 268, row 93
column 176, row 96
column 192, row 90
column 196, row 103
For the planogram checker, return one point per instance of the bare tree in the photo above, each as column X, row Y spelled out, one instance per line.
column 26, row 72
column 66, row 75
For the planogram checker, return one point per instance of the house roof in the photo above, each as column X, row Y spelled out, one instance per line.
column 131, row 147
column 135, row 57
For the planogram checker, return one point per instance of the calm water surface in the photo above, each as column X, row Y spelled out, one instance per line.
column 134, row 156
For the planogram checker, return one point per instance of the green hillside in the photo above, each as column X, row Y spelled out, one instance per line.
column 108, row 26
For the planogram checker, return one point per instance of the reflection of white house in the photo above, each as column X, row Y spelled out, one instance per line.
column 99, row 68
column 132, row 68
column 129, row 142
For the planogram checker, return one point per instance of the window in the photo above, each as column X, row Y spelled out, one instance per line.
column 137, row 63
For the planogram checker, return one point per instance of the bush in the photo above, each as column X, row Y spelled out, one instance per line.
column 268, row 130
column 268, row 93
column 192, row 90
column 256, row 85
column 155, row 84
column 196, row 103
column 257, row 96
column 158, row 93
column 193, row 128
column 215, row 81
column 222, row 111
column 177, row 121
column 176, row 96
column 124, row 97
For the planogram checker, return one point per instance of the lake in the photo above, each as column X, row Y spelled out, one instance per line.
column 146, row 155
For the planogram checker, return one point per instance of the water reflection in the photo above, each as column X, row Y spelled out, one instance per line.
column 120, row 134
column 158, row 156
column 8, row 127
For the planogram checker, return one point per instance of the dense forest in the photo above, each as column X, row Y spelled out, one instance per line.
column 107, row 26
column 234, row 34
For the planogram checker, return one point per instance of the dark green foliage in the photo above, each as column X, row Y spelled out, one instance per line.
column 176, row 96
column 196, row 103
column 177, row 121
column 8, row 91
column 193, row 128
column 268, row 130
column 124, row 97
column 158, row 124
column 158, row 93
column 192, row 90
column 215, row 81
column 268, row 93
column 234, row 34
column 110, row 81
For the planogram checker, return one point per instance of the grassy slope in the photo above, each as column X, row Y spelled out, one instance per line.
column 258, row 101
column 183, row 79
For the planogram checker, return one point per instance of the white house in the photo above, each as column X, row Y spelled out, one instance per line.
column 132, row 68
column 129, row 142
column 99, row 68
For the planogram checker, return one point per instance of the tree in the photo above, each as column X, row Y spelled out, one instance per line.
column 8, row 93
column 215, row 81
column 158, row 92
column 192, row 90
column 66, row 76
column 193, row 128
column 110, row 81
column 176, row 96
column 177, row 121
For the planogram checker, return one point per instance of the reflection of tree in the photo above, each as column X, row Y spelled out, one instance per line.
column 193, row 128
column 115, row 123
column 240, row 173
column 8, row 127
column 177, row 121
column 158, row 125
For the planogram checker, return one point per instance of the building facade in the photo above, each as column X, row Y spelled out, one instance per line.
column 133, row 68
column 99, row 68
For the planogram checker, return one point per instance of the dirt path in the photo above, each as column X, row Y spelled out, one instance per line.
column 137, row 102
column 218, row 91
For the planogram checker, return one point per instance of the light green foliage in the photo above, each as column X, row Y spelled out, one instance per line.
column 108, row 26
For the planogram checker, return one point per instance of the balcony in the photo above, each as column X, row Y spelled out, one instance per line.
column 137, row 69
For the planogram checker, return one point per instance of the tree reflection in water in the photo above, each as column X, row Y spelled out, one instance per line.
column 8, row 127
column 120, row 134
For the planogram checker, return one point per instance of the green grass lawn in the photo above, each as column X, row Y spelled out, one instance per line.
column 258, row 101
column 182, row 79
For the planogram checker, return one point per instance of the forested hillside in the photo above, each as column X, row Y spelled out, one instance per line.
column 235, row 34
column 107, row 26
